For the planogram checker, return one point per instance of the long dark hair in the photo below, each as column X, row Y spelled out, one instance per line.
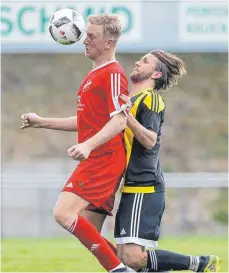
column 171, row 67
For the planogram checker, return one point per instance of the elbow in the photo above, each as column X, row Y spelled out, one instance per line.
column 150, row 144
column 122, row 123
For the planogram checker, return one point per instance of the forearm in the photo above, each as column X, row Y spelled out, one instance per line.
column 142, row 134
column 116, row 125
column 63, row 124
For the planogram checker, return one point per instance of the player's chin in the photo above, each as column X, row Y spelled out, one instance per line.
column 88, row 54
column 134, row 76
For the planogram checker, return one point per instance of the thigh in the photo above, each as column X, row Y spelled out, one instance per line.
column 138, row 219
column 70, row 203
column 97, row 219
column 97, row 179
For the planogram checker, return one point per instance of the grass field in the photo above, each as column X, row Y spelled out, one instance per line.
column 67, row 255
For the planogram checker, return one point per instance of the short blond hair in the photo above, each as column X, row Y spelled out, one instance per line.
column 112, row 26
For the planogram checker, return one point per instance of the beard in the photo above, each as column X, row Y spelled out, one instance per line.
column 135, row 76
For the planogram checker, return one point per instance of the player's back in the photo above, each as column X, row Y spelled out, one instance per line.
column 143, row 170
column 98, row 102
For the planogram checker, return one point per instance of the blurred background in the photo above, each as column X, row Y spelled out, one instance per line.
column 39, row 75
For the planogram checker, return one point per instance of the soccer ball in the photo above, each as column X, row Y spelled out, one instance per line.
column 66, row 26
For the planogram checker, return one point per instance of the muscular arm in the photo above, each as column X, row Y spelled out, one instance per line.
column 147, row 138
column 63, row 124
column 116, row 125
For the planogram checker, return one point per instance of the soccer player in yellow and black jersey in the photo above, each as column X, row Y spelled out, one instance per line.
column 143, row 173
column 142, row 202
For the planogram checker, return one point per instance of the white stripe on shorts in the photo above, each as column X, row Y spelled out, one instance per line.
column 136, row 214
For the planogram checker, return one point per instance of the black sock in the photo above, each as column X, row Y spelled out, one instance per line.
column 162, row 260
column 203, row 261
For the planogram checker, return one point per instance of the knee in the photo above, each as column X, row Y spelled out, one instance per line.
column 134, row 258
column 59, row 216
column 119, row 255
column 63, row 218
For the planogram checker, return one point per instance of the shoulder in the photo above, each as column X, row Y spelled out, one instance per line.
column 116, row 68
column 154, row 102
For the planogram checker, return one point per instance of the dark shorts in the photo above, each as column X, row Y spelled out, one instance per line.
column 138, row 218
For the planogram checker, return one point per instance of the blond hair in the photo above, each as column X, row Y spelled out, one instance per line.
column 172, row 69
column 112, row 27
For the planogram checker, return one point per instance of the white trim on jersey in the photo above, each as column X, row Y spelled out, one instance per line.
column 102, row 65
column 115, row 92
column 137, row 241
column 122, row 109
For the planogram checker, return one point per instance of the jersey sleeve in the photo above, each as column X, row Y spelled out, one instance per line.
column 116, row 84
column 151, row 108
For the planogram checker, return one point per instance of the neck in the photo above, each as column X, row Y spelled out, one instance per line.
column 139, row 86
column 103, row 59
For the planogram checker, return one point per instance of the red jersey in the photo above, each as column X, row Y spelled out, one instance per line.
column 98, row 101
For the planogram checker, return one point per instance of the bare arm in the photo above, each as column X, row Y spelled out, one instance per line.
column 147, row 138
column 63, row 124
column 34, row 121
column 116, row 125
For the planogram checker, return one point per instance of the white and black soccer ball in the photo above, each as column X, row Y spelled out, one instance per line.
column 66, row 26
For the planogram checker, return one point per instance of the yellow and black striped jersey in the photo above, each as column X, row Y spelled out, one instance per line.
column 143, row 172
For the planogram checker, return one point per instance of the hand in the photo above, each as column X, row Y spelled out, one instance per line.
column 30, row 120
column 79, row 151
column 128, row 103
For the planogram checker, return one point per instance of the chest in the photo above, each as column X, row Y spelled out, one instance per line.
column 91, row 94
column 136, row 102
column 91, row 87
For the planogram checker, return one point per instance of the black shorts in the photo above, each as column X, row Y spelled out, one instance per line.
column 138, row 218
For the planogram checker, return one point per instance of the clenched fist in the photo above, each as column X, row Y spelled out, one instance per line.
column 30, row 120
column 79, row 151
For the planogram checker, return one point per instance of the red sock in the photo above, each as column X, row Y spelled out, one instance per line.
column 111, row 246
column 94, row 242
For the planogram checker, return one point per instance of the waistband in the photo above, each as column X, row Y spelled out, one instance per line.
column 142, row 189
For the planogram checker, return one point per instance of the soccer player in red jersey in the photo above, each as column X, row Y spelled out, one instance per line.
column 89, row 192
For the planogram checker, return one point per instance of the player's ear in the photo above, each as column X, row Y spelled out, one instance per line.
column 110, row 43
column 156, row 75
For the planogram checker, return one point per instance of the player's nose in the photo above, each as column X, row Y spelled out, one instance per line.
column 85, row 41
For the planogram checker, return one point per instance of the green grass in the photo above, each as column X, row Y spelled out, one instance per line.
column 67, row 255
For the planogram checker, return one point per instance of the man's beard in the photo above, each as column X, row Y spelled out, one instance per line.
column 138, row 77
